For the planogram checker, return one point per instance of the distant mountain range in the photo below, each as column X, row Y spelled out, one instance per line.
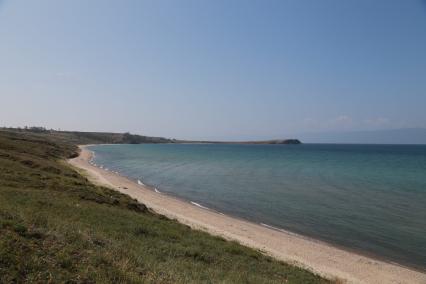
column 392, row 136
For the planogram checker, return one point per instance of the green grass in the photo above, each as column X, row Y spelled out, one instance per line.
column 56, row 226
column 77, row 137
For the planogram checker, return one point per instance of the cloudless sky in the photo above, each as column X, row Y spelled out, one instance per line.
column 213, row 69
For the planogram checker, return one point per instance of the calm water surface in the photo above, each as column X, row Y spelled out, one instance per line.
column 370, row 198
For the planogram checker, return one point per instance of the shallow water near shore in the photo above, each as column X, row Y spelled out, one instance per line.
column 371, row 198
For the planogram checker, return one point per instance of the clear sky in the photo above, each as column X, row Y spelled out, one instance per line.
column 213, row 69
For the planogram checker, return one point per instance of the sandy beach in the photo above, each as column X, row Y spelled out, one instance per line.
column 326, row 260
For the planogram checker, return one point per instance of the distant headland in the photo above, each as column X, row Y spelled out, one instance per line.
column 78, row 137
column 262, row 142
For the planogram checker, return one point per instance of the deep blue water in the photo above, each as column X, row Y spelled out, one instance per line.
column 371, row 198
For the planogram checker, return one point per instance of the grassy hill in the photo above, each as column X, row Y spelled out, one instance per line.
column 77, row 137
column 57, row 227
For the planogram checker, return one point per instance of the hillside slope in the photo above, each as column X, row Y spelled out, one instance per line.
column 78, row 137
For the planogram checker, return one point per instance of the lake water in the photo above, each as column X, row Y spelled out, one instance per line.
column 370, row 198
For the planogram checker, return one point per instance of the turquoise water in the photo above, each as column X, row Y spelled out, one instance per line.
column 370, row 198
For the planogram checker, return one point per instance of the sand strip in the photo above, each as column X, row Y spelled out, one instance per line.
column 321, row 258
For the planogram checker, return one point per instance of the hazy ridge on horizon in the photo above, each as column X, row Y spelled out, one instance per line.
column 388, row 136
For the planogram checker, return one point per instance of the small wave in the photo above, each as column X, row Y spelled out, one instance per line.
column 271, row 227
column 279, row 229
column 199, row 205
column 101, row 166
column 140, row 183
column 156, row 190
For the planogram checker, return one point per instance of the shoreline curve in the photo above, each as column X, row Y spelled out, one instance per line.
column 321, row 258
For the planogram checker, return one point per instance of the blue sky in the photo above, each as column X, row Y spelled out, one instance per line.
column 213, row 69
